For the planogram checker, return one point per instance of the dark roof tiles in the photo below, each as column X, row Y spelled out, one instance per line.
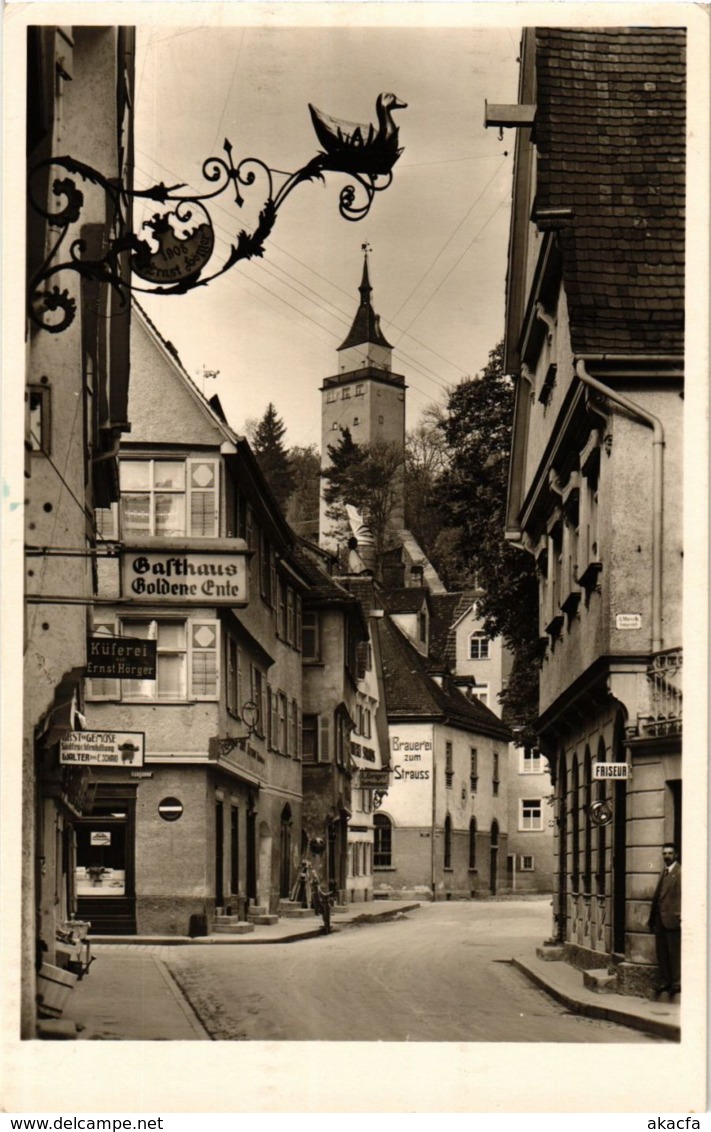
column 610, row 133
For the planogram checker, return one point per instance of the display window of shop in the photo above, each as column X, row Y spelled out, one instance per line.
column 187, row 661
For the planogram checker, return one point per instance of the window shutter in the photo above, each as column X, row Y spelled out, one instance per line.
column 106, row 522
column 203, row 497
column 324, row 738
column 102, row 687
column 270, row 718
column 204, row 639
column 298, row 622
column 299, row 733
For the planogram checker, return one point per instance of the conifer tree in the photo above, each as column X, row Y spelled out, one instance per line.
column 272, row 456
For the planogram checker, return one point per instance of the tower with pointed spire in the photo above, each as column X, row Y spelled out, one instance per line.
column 365, row 395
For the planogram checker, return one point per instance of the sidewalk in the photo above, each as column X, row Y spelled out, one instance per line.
column 565, row 983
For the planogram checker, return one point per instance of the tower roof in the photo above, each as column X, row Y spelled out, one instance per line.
column 366, row 324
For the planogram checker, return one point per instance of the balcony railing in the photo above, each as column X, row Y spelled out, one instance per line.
column 665, row 697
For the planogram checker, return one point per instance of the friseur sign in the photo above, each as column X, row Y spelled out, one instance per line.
column 170, row 576
column 125, row 658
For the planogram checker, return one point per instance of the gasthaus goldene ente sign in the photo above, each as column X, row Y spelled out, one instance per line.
column 173, row 576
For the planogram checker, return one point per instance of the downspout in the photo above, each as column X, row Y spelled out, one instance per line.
column 434, row 822
column 657, row 487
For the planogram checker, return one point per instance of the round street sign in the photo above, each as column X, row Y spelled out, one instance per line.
column 170, row 809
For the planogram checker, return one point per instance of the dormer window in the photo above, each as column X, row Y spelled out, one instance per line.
column 478, row 646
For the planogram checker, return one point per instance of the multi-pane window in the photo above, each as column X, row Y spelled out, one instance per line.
column 310, row 635
column 449, row 764
column 531, row 761
column 259, row 697
column 383, row 842
column 293, row 743
column 309, row 738
column 527, row 863
column 448, row 842
column 187, row 665
column 481, row 692
column 169, row 497
column 473, row 768
column 282, row 740
column 290, row 616
column 531, row 814
column 478, row 646
column 360, row 390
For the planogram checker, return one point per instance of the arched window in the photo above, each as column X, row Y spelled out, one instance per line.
column 601, row 829
column 587, row 802
column 478, row 646
column 448, row 842
column 383, row 848
column 472, row 843
column 575, row 815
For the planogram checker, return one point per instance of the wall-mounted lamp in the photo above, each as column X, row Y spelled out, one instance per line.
column 250, row 717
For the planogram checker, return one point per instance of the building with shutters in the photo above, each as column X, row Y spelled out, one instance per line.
column 481, row 667
column 441, row 831
column 198, row 562
column 79, row 100
column 595, row 337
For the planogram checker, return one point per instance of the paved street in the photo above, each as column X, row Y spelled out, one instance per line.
column 440, row 973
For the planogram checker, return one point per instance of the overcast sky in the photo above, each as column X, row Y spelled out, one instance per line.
column 438, row 234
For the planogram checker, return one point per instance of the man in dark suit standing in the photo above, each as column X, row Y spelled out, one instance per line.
column 665, row 922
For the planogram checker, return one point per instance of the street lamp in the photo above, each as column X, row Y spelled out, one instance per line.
column 250, row 718
column 175, row 249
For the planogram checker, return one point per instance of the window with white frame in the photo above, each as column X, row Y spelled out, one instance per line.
column 527, row 863
column 478, row 646
column 187, row 661
column 331, row 396
column 531, row 761
column 360, row 389
column 169, row 497
column 481, row 692
column 531, row 814
column 309, row 738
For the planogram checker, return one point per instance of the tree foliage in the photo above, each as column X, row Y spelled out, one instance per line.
column 302, row 506
column 370, row 478
column 273, row 459
column 472, row 494
column 426, row 457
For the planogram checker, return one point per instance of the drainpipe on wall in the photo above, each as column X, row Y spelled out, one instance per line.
column 657, row 486
column 434, row 822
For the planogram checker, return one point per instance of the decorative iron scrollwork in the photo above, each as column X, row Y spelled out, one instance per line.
column 174, row 249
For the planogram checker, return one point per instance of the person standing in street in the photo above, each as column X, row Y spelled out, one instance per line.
column 665, row 922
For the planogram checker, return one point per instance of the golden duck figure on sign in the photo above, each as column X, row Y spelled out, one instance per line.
column 356, row 147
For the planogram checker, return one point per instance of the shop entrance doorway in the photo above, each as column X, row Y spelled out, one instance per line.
column 105, row 863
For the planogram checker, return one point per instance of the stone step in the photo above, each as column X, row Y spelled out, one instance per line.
column 263, row 918
column 600, row 980
column 339, row 908
column 257, row 910
column 230, row 925
column 296, row 912
column 550, row 953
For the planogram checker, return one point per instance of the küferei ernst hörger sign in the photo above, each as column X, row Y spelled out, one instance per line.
column 206, row 579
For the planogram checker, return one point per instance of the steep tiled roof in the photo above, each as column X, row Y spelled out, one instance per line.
column 610, row 134
column 411, row 693
column 405, row 600
column 446, row 608
column 366, row 325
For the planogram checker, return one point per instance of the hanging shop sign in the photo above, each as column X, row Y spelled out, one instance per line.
column 127, row 658
column 611, row 770
column 374, row 779
column 157, row 577
column 103, row 748
column 100, row 837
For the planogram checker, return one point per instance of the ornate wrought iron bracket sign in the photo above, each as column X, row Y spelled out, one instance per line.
column 175, row 251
